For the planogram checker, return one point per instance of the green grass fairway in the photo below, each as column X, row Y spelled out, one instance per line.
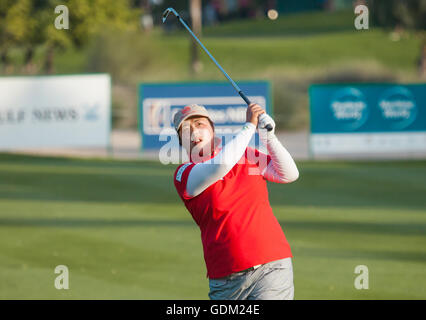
column 122, row 231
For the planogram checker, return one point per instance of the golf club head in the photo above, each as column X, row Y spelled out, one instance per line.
column 167, row 12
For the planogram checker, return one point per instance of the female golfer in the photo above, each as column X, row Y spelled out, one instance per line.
column 223, row 187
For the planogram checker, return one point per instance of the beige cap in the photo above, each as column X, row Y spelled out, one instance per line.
column 189, row 111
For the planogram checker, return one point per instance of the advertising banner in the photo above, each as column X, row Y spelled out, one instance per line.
column 159, row 102
column 367, row 118
column 55, row 111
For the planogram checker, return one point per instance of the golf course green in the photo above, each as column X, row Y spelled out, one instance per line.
column 123, row 233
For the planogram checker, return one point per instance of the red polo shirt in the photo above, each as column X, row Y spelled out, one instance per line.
column 238, row 227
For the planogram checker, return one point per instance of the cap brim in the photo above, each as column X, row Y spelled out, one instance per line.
column 196, row 114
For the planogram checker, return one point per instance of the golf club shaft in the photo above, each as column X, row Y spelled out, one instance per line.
column 236, row 87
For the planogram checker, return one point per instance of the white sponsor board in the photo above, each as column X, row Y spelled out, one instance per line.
column 55, row 111
column 351, row 143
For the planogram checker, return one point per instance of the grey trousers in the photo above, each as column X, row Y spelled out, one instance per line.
column 270, row 281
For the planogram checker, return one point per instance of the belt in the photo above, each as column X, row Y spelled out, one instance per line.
column 250, row 269
column 243, row 271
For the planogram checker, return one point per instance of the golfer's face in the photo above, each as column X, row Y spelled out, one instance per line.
column 197, row 135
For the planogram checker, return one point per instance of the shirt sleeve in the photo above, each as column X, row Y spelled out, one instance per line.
column 281, row 168
column 204, row 174
column 181, row 178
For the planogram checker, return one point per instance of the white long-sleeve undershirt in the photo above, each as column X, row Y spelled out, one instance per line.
column 204, row 174
column 281, row 168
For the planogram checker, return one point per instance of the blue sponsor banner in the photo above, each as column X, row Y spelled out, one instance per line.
column 159, row 102
column 367, row 118
column 367, row 108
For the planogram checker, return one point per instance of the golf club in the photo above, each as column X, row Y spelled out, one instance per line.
column 263, row 117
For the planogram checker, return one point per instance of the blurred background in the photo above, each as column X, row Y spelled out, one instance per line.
column 292, row 44
column 113, row 217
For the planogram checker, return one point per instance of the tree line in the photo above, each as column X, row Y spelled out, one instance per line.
column 27, row 24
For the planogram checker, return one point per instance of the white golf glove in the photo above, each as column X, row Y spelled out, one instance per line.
column 265, row 135
column 264, row 120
